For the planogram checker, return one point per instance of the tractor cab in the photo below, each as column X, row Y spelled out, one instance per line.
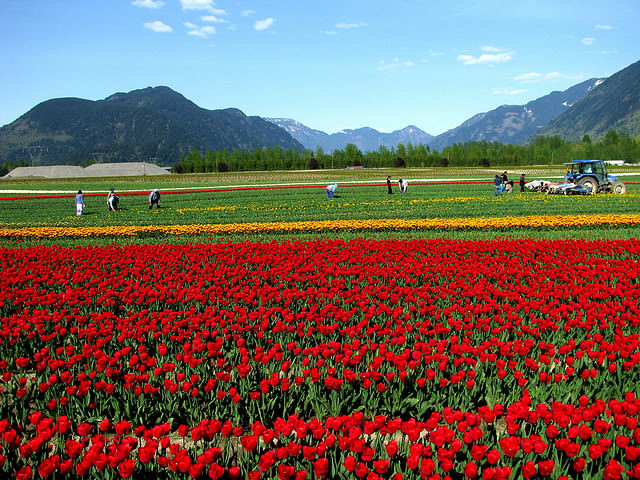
column 593, row 176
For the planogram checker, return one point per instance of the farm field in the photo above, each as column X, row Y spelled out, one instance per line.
column 225, row 210
column 443, row 333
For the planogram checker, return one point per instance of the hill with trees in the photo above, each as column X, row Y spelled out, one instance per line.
column 516, row 124
column 152, row 124
column 614, row 105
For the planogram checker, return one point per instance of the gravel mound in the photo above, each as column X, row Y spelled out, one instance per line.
column 96, row 170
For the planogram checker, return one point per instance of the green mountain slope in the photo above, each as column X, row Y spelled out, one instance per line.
column 152, row 123
column 614, row 105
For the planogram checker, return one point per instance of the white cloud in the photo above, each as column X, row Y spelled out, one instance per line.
column 263, row 24
column 486, row 58
column 351, row 25
column 529, row 77
column 208, row 5
column 197, row 31
column 533, row 77
column 147, row 3
column 588, row 40
column 246, row 13
column 212, row 19
column 604, row 27
column 158, row 26
column 488, row 48
column 330, row 32
column 508, row 91
column 394, row 64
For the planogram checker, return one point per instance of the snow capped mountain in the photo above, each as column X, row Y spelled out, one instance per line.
column 515, row 123
column 613, row 104
column 365, row 138
column 509, row 124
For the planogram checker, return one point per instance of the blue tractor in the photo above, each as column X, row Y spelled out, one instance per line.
column 593, row 176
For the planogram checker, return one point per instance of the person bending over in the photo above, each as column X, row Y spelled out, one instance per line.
column 154, row 198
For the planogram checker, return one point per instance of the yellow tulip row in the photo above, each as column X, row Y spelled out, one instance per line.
column 315, row 226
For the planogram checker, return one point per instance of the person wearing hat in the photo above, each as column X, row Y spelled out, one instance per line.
column 112, row 200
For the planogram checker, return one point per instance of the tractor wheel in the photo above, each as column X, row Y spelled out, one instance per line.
column 589, row 183
column 618, row 187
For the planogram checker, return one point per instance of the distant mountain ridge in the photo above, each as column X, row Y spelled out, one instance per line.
column 152, row 123
column 160, row 125
column 615, row 105
column 365, row 138
column 516, row 124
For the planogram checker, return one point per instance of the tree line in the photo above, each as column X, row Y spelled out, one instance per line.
column 543, row 151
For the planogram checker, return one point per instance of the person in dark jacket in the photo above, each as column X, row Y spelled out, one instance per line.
column 112, row 200
column 497, row 184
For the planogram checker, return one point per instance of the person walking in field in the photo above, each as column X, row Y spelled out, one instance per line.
column 522, row 182
column 79, row 203
column 331, row 189
column 390, row 191
column 402, row 185
column 154, row 198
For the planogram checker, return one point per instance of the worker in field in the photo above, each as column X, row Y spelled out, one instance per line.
column 79, row 203
column 331, row 189
column 389, row 190
column 522, row 182
column 154, row 198
column 402, row 185
column 497, row 185
column 112, row 200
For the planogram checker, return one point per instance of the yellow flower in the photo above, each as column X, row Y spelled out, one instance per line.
column 319, row 225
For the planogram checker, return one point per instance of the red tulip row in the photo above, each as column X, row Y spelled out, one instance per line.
column 409, row 330
column 594, row 439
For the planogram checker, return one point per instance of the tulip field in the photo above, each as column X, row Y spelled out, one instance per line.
column 368, row 356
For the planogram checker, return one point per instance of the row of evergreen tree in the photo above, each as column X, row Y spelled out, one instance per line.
column 545, row 150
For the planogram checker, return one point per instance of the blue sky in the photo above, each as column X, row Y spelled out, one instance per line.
column 330, row 64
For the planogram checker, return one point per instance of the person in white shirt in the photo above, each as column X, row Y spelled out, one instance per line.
column 154, row 197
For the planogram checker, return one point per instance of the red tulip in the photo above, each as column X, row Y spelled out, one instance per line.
column 470, row 470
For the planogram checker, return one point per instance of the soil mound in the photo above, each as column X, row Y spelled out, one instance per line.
column 129, row 169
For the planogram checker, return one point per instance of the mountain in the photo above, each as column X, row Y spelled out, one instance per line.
column 152, row 123
column 366, row 138
column 614, row 105
column 515, row 124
